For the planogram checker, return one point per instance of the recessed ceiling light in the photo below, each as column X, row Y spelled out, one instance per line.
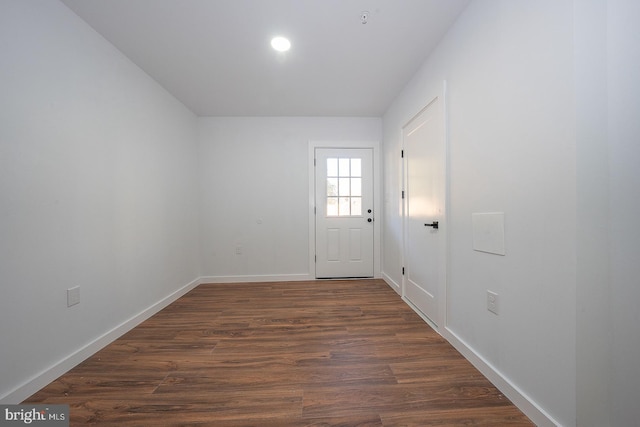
column 281, row 44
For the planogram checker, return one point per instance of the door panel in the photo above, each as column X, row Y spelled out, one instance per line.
column 333, row 244
column 424, row 203
column 344, row 212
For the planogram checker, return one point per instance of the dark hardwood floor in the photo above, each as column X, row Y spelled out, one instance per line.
column 318, row 353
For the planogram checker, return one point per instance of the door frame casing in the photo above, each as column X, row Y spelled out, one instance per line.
column 440, row 323
column 377, row 206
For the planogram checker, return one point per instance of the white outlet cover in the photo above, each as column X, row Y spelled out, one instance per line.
column 488, row 232
column 492, row 302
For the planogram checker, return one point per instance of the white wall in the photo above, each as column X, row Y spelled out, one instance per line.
column 98, row 189
column 593, row 293
column 607, row 292
column 543, row 106
column 509, row 72
column 623, row 127
column 254, row 174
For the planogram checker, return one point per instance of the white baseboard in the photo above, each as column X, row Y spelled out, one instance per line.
column 257, row 278
column 510, row 390
column 395, row 286
column 49, row 375
column 520, row 399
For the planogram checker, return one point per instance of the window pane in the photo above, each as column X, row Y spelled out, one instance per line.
column 344, row 187
column 356, row 169
column 332, row 186
column 344, row 208
column 356, row 186
column 332, row 167
column 356, row 206
column 332, row 206
column 343, row 167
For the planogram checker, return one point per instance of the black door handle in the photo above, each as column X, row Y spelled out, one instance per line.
column 434, row 224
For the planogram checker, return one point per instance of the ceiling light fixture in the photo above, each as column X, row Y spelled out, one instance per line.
column 281, row 44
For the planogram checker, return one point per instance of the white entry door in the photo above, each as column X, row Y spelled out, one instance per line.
column 344, row 212
column 424, row 239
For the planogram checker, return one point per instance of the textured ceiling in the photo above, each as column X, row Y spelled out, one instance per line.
column 215, row 55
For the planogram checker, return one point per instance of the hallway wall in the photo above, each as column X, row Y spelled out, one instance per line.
column 98, row 189
column 510, row 105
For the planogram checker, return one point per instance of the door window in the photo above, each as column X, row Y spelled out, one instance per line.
column 344, row 186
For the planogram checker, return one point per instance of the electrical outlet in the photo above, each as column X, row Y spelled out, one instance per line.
column 73, row 296
column 492, row 302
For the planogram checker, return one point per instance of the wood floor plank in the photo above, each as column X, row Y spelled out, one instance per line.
column 313, row 353
column 489, row 417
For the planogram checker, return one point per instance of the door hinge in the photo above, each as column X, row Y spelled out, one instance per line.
column 314, row 161
column 314, row 210
column 315, row 258
column 402, row 153
column 403, row 271
column 403, row 194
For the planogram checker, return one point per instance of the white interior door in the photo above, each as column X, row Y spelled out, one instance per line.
column 424, row 239
column 344, row 212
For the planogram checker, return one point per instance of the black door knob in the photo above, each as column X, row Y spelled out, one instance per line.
column 369, row 220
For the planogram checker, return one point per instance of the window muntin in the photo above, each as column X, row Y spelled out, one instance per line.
column 344, row 187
